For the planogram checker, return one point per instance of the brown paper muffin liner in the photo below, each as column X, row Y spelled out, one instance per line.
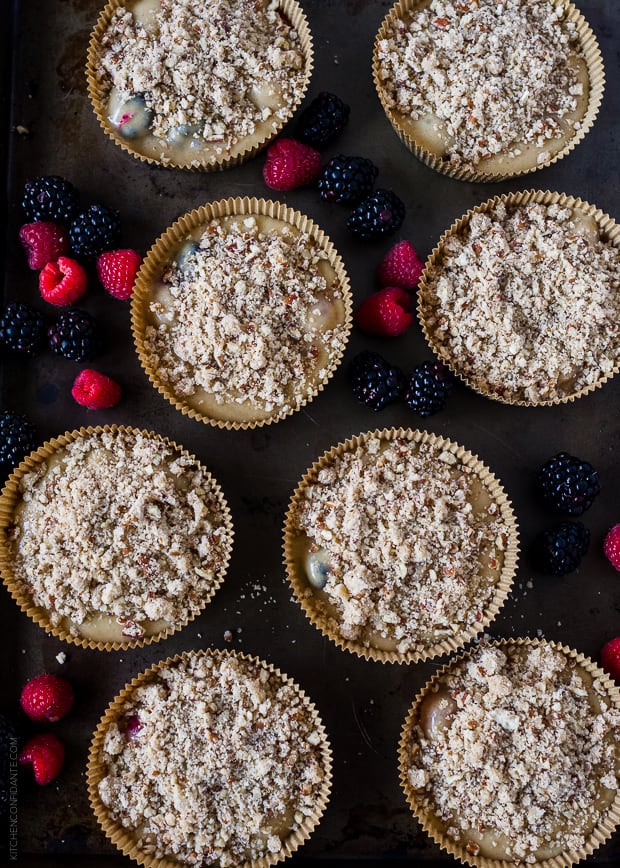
column 608, row 229
column 241, row 152
column 95, row 769
column 596, row 77
column 307, row 596
column 161, row 254
column 431, row 824
column 10, row 499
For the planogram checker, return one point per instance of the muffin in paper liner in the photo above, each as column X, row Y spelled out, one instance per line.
column 216, row 158
column 330, row 330
column 420, row 804
column 304, row 823
column 532, row 389
column 428, row 152
column 104, row 631
column 308, row 560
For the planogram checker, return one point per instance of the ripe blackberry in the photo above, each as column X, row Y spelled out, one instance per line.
column 347, row 179
column 379, row 214
column 22, row 329
column 323, row 120
column 94, row 230
column 50, row 198
column 75, row 336
column 375, row 381
column 559, row 549
column 568, row 484
column 428, row 388
column 17, row 438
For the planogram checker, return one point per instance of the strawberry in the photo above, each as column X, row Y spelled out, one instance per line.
column 611, row 546
column 117, row 271
column 290, row 164
column 610, row 658
column 47, row 755
column 95, row 391
column 385, row 312
column 47, row 697
column 401, row 267
column 62, row 282
column 44, row 242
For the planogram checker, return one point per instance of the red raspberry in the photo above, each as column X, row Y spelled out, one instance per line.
column 47, row 697
column 46, row 753
column 610, row 658
column 95, row 391
column 63, row 282
column 385, row 312
column 290, row 164
column 44, row 242
column 611, row 546
column 117, row 271
column 401, row 267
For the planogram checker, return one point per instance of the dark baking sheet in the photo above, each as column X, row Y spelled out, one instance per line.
column 362, row 704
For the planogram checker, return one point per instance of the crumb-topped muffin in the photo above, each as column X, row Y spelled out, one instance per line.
column 197, row 83
column 486, row 87
column 512, row 754
column 117, row 535
column 399, row 542
column 523, row 300
column 243, row 321
column 210, row 759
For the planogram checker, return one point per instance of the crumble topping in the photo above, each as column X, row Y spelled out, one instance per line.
column 119, row 524
column 249, row 318
column 219, row 67
column 213, row 762
column 521, row 754
column 413, row 550
column 525, row 302
column 494, row 75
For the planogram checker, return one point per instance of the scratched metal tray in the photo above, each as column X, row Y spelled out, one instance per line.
column 50, row 129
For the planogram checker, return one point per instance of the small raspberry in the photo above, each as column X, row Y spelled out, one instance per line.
column 290, row 164
column 95, row 391
column 385, row 312
column 62, row 282
column 611, row 546
column 610, row 658
column 117, row 271
column 43, row 242
column 133, row 726
column 401, row 266
column 47, row 697
column 47, row 755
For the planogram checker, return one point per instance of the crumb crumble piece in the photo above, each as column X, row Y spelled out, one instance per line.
column 213, row 762
column 525, row 302
column 414, row 541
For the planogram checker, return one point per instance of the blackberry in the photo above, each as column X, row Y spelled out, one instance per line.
column 22, row 329
column 8, row 754
column 50, row 198
column 94, row 230
column 347, row 179
column 17, row 438
column 377, row 215
column 375, row 381
column 559, row 549
column 75, row 336
column 568, row 484
column 323, row 120
column 428, row 388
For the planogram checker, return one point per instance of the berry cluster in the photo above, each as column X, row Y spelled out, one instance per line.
column 346, row 180
column 377, row 383
column 45, row 699
column 59, row 231
column 569, row 486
